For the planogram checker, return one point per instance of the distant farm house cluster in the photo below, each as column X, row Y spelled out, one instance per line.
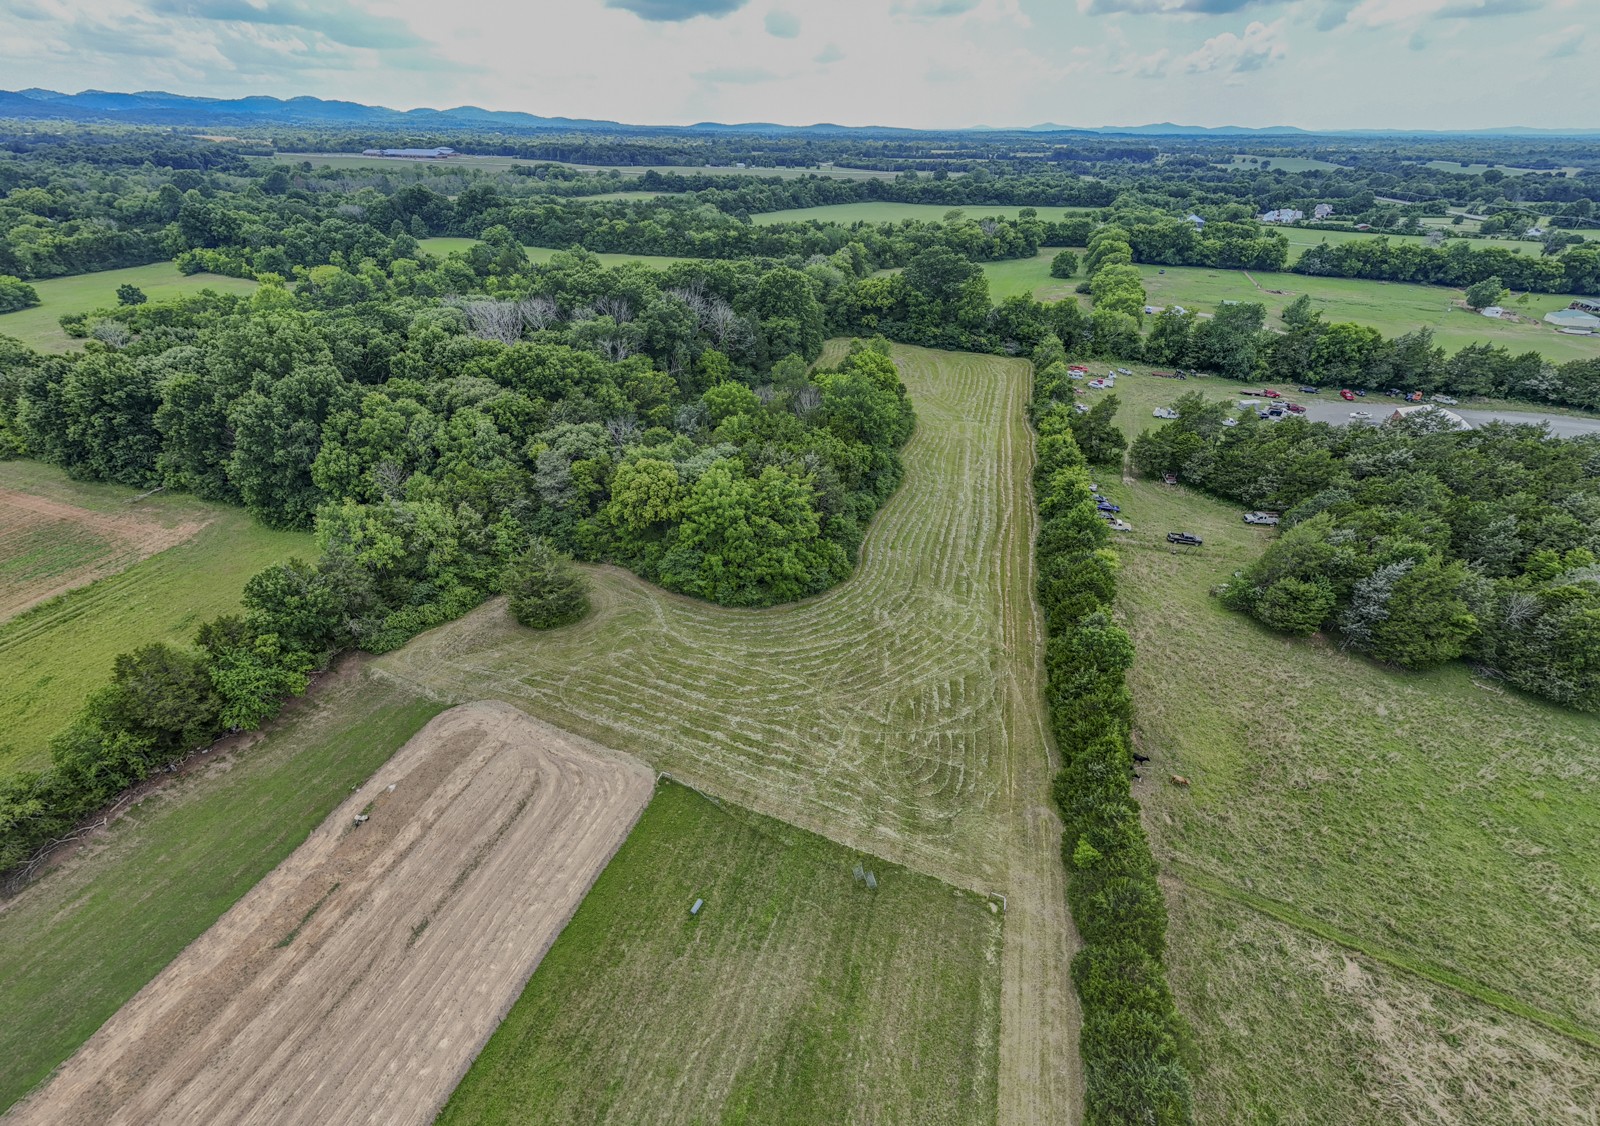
column 1294, row 215
column 440, row 153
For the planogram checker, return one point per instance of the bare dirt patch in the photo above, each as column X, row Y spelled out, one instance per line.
column 359, row 979
column 48, row 547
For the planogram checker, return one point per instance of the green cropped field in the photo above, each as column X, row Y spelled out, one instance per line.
column 1392, row 308
column 80, row 942
column 898, row 714
column 39, row 326
column 53, row 655
column 1383, row 902
column 795, row 996
column 541, row 254
column 895, row 212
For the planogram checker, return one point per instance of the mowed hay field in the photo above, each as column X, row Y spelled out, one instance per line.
column 359, row 979
column 89, row 935
column 1393, row 308
column 542, row 254
column 1382, row 883
column 898, row 714
column 887, row 212
column 39, row 327
column 797, row 995
column 53, row 655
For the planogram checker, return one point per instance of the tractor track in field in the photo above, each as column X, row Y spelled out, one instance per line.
column 900, row 713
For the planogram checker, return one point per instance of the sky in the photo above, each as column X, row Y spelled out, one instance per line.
column 1318, row 64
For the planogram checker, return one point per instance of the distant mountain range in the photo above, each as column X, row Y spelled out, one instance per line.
column 156, row 107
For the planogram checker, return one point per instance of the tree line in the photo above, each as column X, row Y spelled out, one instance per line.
column 1133, row 1040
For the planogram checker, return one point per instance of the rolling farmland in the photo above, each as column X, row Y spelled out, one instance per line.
column 443, row 246
column 38, row 326
column 139, row 893
column 897, row 714
column 1381, row 908
column 847, row 213
column 796, row 995
column 53, row 655
column 419, row 926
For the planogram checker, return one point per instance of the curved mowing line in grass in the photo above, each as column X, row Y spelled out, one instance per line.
column 898, row 714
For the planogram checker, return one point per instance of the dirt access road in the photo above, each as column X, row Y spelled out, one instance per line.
column 359, row 979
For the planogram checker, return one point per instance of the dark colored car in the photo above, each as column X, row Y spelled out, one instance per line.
column 1307, row 390
column 1183, row 538
column 1107, row 506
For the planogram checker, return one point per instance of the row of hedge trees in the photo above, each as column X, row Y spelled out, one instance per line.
column 1133, row 1039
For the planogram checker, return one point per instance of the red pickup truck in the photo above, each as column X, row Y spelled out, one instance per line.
column 1271, row 394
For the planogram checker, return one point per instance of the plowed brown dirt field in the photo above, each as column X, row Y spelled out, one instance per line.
column 360, row 978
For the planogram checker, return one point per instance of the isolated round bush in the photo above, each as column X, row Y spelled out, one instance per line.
column 545, row 589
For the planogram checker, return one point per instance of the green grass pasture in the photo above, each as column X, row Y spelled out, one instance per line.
column 1392, row 308
column 542, row 254
column 1383, row 902
column 847, row 213
column 897, row 714
column 84, row 939
column 55, row 654
column 39, row 326
column 795, row 996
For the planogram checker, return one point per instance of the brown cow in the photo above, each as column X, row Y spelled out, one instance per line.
column 1179, row 780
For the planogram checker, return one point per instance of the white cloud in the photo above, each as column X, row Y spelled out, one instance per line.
column 1260, row 45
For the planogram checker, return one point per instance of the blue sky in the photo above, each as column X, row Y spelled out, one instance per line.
column 925, row 63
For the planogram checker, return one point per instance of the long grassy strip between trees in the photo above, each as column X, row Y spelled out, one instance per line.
column 1433, row 823
column 77, row 944
column 898, row 714
column 795, row 995
column 1132, row 1035
column 52, row 656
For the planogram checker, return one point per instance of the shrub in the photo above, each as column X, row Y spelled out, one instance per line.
column 16, row 294
column 545, row 589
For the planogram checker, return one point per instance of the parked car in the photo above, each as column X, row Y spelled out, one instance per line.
column 1169, row 478
column 1081, row 408
column 1296, row 408
column 1446, row 400
column 1107, row 506
column 1268, row 518
column 1307, row 390
column 1230, row 422
column 1184, row 538
column 1124, row 371
column 1361, row 394
column 1347, row 395
column 1360, row 414
column 1120, row 525
column 1271, row 394
column 1165, row 412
